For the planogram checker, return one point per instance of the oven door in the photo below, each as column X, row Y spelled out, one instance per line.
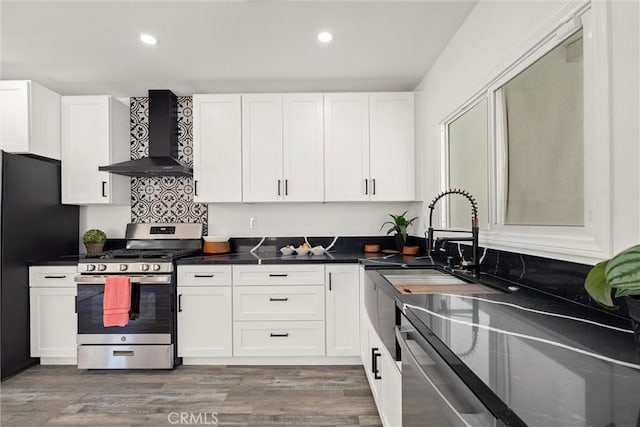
column 150, row 318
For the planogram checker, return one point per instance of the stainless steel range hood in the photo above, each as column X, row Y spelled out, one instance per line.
column 163, row 142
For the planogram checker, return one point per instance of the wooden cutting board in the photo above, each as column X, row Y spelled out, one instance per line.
column 471, row 288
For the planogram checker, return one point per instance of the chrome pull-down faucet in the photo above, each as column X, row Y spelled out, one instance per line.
column 475, row 263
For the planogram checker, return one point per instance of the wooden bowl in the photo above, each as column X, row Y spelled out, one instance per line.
column 371, row 248
column 410, row 250
column 216, row 247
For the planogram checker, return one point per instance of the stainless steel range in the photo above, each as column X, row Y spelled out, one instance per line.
column 148, row 341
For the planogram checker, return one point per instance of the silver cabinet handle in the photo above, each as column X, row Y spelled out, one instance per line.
column 127, row 353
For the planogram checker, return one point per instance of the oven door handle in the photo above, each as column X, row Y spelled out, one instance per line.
column 142, row 280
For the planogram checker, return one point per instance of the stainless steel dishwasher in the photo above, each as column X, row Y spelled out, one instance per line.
column 432, row 393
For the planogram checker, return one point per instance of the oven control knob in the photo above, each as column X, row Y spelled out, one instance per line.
column 156, row 267
column 144, row 267
column 123, row 267
column 102, row 267
column 91, row 267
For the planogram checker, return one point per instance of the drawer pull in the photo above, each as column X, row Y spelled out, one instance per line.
column 278, row 275
column 54, row 277
column 278, row 299
column 128, row 353
column 203, row 275
column 279, row 335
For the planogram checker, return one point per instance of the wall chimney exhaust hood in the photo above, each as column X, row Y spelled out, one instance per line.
column 163, row 142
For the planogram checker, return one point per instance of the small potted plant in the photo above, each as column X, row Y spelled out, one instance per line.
column 622, row 273
column 399, row 225
column 94, row 240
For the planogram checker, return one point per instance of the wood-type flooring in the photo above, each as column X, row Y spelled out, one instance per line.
column 189, row 395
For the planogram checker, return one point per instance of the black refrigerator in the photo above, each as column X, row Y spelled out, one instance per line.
column 34, row 226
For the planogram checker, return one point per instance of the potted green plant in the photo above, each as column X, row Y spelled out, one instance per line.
column 622, row 273
column 399, row 225
column 94, row 240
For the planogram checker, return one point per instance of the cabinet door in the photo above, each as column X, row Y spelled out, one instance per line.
column 85, row 147
column 53, row 322
column 303, row 147
column 342, row 310
column 204, row 321
column 14, row 116
column 262, row 148
column 217, row 148
column 392, row 144
column 391, row 392
column 346, row 121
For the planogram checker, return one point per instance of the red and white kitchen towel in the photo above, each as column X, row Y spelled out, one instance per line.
column 117, row 301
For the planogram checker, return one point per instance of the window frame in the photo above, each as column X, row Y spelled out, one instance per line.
column 585, row 244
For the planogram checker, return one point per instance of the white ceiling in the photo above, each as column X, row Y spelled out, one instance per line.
column 92, row 47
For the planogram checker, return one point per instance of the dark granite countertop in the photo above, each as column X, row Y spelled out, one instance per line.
column 67, row 260
column 550, row 361
column 377, row 260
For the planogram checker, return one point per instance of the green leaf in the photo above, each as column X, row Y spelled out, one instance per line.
column 597, row 286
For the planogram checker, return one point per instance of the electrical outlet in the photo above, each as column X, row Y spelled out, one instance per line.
column 252, row 222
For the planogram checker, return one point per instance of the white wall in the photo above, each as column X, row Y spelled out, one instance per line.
column 304, row 219
column 271, row 219
column 496, row 31
column 110, row 219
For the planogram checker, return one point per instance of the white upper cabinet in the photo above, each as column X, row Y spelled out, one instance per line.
column 303, row 147
column 391, row 152
column 346, row 168
column 282, row 139
column 217, row 148
column 369, row 147
column 95, row 132
column 29, row 119
column 262, row 148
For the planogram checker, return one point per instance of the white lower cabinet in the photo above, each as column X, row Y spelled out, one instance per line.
column 383, row 372
column 204, row 321
column 278, row 338
column 53, row 318
column 264, row 313
column 204, row 312
column 343, row 310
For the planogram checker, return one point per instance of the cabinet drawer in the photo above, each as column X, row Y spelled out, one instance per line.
column 278, row 303
column 278, row 275
column 287, row 338
column 57, row 276
column 204, row 275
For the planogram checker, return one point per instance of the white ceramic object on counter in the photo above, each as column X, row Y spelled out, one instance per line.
column 318, row 250
column 287, row 250
column 302, row 251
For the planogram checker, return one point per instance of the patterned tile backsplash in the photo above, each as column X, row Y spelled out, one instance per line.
column 164, row 199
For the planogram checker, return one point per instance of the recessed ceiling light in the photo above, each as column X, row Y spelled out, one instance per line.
column 325, row 37
column 148, row 39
